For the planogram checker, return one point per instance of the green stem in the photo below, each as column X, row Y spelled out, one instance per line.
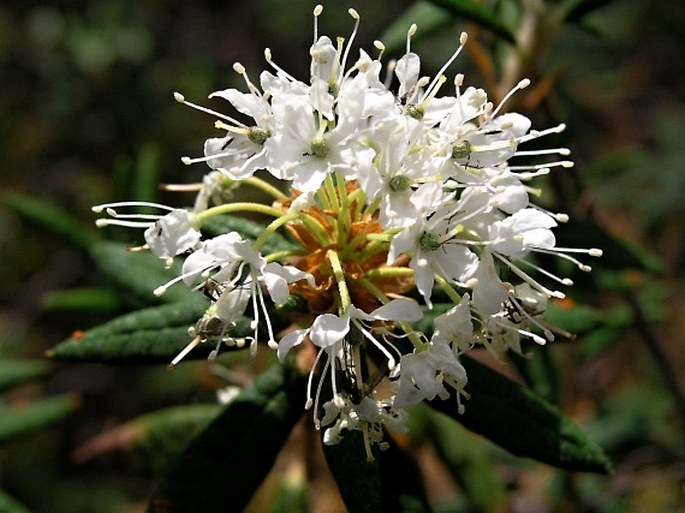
column 390, row 272
column 448, row 289
column 229, row 208
column 380, row 295
column 273, row 226
column 264, row 186
column 339, row 274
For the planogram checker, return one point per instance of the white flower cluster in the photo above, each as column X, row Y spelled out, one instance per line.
column 397, row 192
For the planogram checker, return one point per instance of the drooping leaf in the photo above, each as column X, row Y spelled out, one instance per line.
column 52, row 218
column 617, row 254
column 24, row 419
column 479, row 13
column 577, row 9
column 154, row 440
column 358, row 479
column 223, row 466
column 139, row 273
column 367, row 486
column 466, row 461
column 538, row 371
column 86, row 299
column 526, row 425
column 150, row 335
column 15, row 372
column 428, row 16
column 10, row 505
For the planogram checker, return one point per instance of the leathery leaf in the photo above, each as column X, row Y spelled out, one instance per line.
column 523, row 423
column 222, row 467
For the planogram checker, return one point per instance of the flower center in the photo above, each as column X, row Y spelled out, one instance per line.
column 319, row 147
column 258, row 135
column 429, row 241
column 399, row 183
column 461, row 150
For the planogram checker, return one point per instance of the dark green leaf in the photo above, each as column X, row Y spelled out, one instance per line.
column 479, row 13
column 52, row 218
column 427, row 16
column 466, row 461
column 248, row 230
column 369, row 486
column 359, row 480
column 82, row 300
column 21, row 420
column 10, row 505
column 522, row 423
column 145, row 175
column 577, row 9
column 155, row 439
column 538, row 371
column 150, row 335
column 223, row 466
column 14, row 372
column 140, row 273
column 616, row 253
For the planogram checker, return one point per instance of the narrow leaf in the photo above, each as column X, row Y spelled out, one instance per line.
column 86, row 299
column 21, row 420
column 478, row 13
column 139, row 273
column 223, row 466
column 15, row 372
column 522, row 423
column 52, row 218
column 427, row 16
column 10, row 505
column 616, row 253
column 155, row 439
column 359, row 480
column 369, row 486
column 466, row 461
column 577, row 9
column 151, row 335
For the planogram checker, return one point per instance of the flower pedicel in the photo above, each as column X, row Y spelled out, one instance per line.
column 394, row 191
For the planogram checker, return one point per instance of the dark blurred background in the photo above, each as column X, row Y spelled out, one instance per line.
column 87, row 116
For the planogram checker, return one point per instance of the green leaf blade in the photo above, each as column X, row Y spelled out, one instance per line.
column 478, row 13
column 15, row 372
column 139, row 273
column 53, row 218
column 18, row 421
column 10, row 505
column 522, row 423
column 150, row 335
column 237, row 449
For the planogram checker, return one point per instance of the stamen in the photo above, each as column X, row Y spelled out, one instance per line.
column 356, row 17
column 309, row 402
column 380, row 47
column 410, row 33
column 193, row 343
column 462, row 42
column 99, row 208
column 521, row 85
column 317, row 12
column 529, row 279
column 268, row 57
column 181, row 99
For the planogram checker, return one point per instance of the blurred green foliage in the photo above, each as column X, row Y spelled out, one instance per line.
column 87, row 116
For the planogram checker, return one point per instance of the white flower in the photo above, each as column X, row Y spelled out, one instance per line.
column 423, row 372
column 521, row 232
